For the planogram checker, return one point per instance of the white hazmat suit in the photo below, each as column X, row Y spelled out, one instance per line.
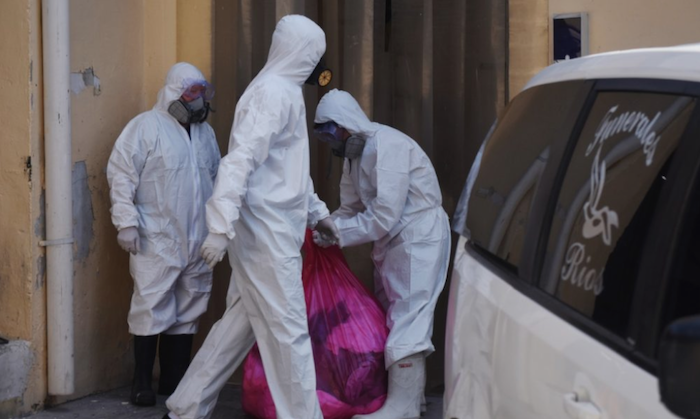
column 391, row 196
column 263, row 201
column 160, row 178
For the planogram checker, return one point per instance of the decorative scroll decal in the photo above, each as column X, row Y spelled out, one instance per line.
column 601, row 220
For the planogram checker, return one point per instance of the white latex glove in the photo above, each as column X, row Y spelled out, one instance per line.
column 329, row 232
column 214, row 248
column 128, row 239
column 321, row 240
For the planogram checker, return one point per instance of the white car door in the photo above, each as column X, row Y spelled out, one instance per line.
column 513, row 359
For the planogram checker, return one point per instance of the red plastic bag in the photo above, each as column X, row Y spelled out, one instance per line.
column 348, row 333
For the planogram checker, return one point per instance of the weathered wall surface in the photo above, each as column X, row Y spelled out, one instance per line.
column 121, row 51
column 22, row 299
column 120, row 54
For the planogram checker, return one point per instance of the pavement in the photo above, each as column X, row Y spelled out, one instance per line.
column 115, row 404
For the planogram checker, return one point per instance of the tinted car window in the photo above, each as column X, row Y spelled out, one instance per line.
column 617, row 170
column 683, row 294
column 512, row 164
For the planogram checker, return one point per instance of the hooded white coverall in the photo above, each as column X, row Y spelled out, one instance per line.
column 160, row 178
column 263, row 201
column 391, row 196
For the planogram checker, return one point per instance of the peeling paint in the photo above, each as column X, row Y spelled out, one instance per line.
column 81, row 80
column 40, row 223
column 40, row 272
column 83, row 216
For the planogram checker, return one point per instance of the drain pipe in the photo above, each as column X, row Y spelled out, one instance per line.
column 59, row 199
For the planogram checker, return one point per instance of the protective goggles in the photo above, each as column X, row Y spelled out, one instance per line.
column 197, row 88
column 329, row 132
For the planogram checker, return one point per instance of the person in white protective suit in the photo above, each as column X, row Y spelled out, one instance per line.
column 161, row 172
column 389, row 195
column 262, row 203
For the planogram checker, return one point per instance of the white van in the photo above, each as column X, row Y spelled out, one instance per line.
column 576, row 283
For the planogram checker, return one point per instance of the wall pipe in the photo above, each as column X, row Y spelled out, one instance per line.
column 59, row 200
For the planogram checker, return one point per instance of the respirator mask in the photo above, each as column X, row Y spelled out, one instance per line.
column 350, row 148
column 193, row 107
column 321, row 75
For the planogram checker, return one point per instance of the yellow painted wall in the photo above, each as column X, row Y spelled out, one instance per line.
column 22, row 293
column 108, row 38
column 123, row 49
column 129, row 45
column 613, row 25
column 624, row 24
column 14, row 189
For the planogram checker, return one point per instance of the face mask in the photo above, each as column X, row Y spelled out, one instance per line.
column 354, row 147
column 189, row 112
column 321, row 75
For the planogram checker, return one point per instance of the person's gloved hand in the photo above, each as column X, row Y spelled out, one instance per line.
column 329, row 232
column 214, row 248
column 128, row 239
column 320, row 240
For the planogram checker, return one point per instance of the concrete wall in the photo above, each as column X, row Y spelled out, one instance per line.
column 108, row 52
column 125, row 48
column 120, row 54
column 22, row 301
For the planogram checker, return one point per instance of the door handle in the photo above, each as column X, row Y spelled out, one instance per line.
column 580, row 409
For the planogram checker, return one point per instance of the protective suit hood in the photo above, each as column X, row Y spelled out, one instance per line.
column 176, row 82
column 340, row 107
column 298, row 44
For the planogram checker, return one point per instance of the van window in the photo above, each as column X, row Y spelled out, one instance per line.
column 617, row 171
column 512, row 162
column 683, row 294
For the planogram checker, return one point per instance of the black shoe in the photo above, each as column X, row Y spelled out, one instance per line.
column 174, row 354
column 144, row 356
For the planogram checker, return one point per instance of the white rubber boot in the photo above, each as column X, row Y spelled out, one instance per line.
column 406, row 383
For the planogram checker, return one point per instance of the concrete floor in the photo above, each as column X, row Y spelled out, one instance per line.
column 114, row 404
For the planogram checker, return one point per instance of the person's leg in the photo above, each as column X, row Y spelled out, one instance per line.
column 144, row 355
column 275, row 301
column 413, row 272
column 379, row 291
column 413, row 269
column 153, row 309
column 192, row 291
column 223, row 350
column 174, row 352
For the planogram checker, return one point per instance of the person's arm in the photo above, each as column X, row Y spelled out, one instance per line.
column 317, row 208
column 384, row 211
column 126, row 162
column 350, row 203
column 255, row 125
column 214, row 152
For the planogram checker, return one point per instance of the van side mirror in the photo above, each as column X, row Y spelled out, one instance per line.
column 679, row 367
